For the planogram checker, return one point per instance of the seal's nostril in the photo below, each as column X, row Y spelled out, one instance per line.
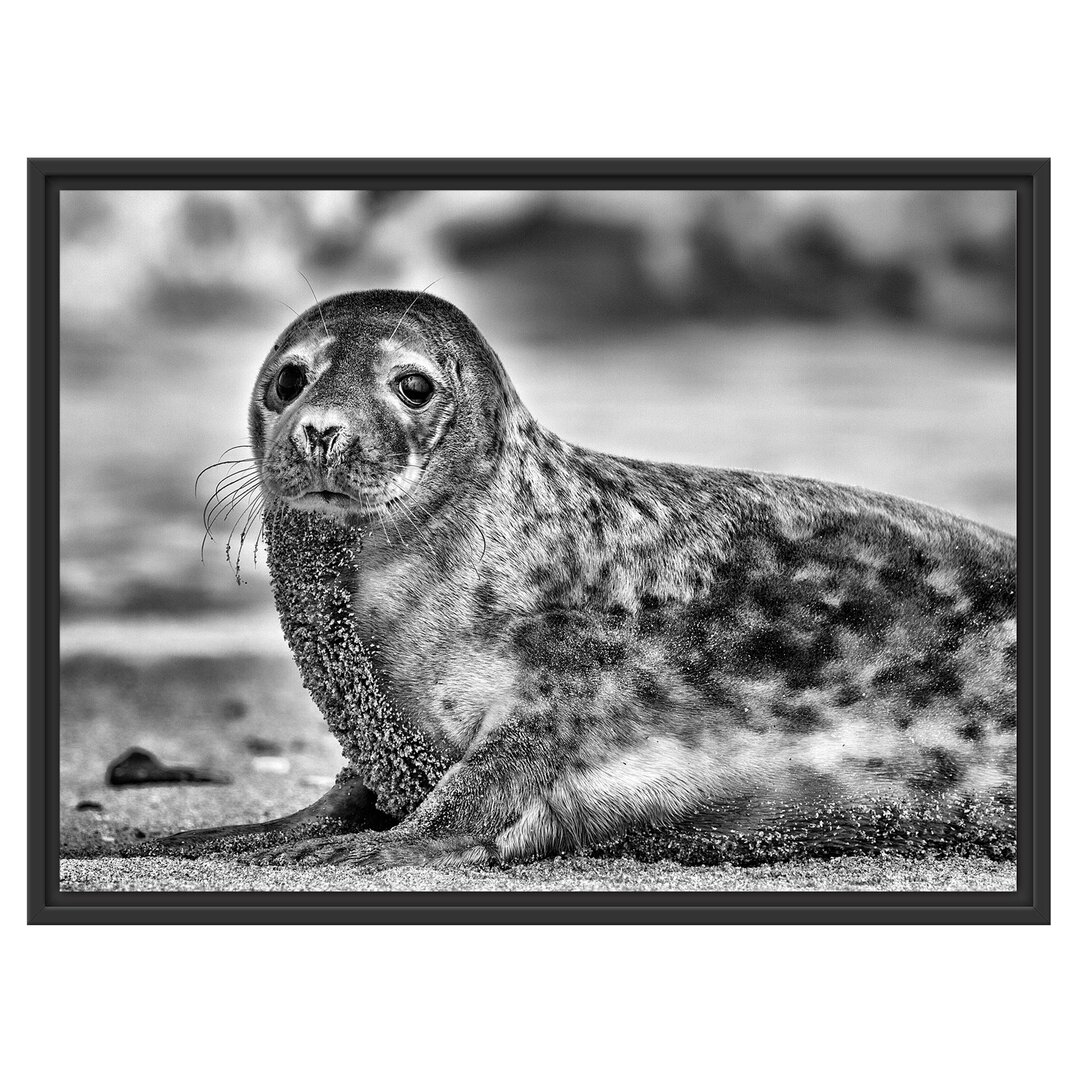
column 321, row 439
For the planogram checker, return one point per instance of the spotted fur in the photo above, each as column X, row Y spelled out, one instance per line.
column 537, row 647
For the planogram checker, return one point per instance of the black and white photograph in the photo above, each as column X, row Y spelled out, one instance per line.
column 551, row 540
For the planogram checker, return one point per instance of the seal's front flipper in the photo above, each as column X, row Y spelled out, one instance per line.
column 397, row 847
column 348, row 807
column 487, row 809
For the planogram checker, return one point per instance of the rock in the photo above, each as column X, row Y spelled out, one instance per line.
column 88, row 804
column 138, row 766
column 258, row 745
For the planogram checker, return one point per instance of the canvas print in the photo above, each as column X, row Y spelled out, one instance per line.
column 504, row 541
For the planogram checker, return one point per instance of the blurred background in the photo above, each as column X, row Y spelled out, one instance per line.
column 864, row 337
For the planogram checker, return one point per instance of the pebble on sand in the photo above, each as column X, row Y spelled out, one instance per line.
column 138, row 766
column 256, row 744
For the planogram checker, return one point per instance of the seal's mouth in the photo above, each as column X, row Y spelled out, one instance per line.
column 337, row 504
column 328, row 501
column 334, row 498
column 351, row 494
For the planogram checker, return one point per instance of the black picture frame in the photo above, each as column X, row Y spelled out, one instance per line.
column 1030, row 903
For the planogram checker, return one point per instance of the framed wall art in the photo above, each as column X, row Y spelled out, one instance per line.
column 539, row 540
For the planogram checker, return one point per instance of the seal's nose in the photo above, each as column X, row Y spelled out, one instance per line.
column 321, row 433
column 321, row 440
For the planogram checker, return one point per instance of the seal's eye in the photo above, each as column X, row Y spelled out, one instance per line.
column 290, row 380
column 415, row 390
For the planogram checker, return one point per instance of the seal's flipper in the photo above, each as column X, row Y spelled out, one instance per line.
column 370, row 851
column 348, row 807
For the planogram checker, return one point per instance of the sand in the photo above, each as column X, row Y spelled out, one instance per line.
column 562, row 874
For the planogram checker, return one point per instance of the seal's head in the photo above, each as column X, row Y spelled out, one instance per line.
column 376, row 401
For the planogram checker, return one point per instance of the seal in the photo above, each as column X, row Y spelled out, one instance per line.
column 527, row 647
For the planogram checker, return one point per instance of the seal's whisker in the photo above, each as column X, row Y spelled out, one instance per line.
column 221, row 492
column 225, row 503
column 449, row 519
column 238, row 494
column 248, row 470
column 380, row 517
column 237, row 468
column 243, row 534
column 228, row 503
column 228, row 450
column 219, row 465
column 397, row 529
column 258, row 535
column 435, row 561
column 238, row 446
column 317, row 304
column 235, row 474
column 255, row 508
column 399, row 468
column 237, row 471
column 468, row 542
column 483, row 539
column 409, row 308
